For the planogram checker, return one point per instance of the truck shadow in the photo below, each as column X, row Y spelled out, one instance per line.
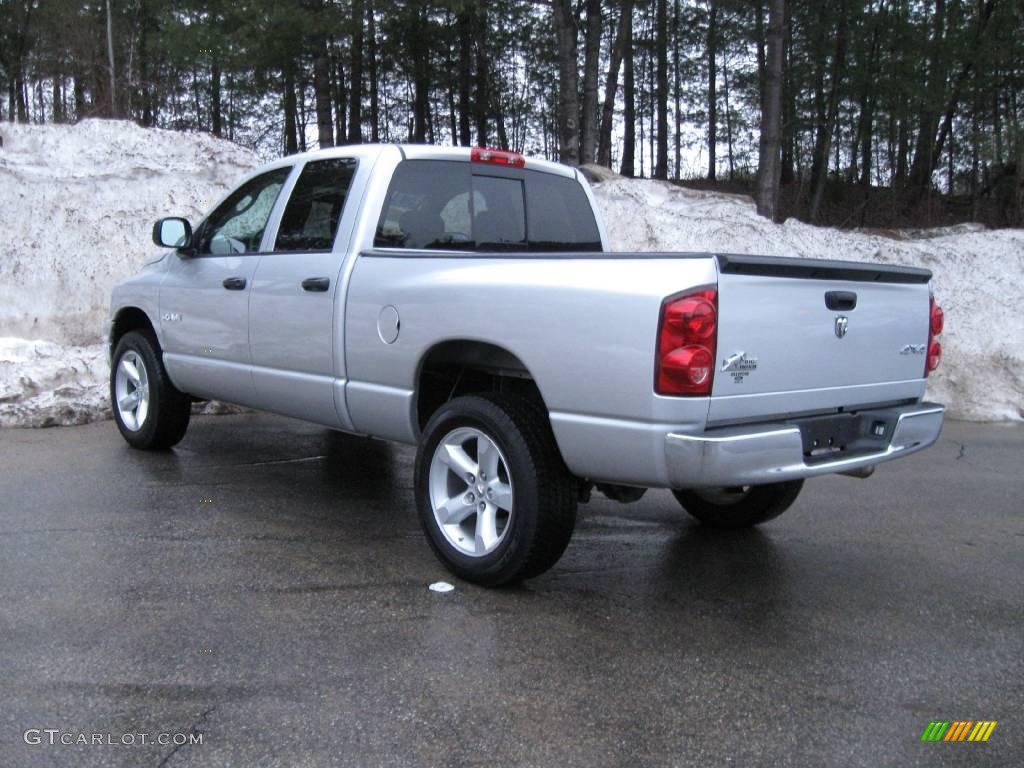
column 744, row 565
column 361, row 466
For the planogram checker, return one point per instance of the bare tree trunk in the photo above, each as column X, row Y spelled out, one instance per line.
column 482, row 77
column 652, row 92
column 826, row 130
column 759, row 41
column 591, row 63
column 629, row 99
column 997, row 131
column 661, row 87
column 453, row 117
column 604, row 148
column 355, row 130
column 231, row 107
column 23, row 100
column 79, row 90
column 768, row 168
column 110, row 62
column 215, row 106
column 728, row 117
column 322, row 93
column 197, row 102
column 566, row 32
column 677, row 90
column 464, row 23
column 962, row 77
column 291, row 139
column 371, row 31
column 921, row 169
column 58, row 110
column 712, row 83
column 499, row 119
column 788, row 172
column 340, row 101
column 145, row 70
column 421, row 80
column 300, row 98
column 865, row 128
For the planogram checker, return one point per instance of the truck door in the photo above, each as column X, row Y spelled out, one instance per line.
column 204, row 298
column 294, row 327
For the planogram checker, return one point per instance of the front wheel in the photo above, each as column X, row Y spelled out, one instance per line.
column 150, row 412
column 494, row 497
column 739, row 506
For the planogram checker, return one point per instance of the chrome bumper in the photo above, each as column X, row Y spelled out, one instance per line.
column 771, row 453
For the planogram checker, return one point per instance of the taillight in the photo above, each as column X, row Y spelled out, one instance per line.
column 936, row 322
column 497, row 157
column 687, row 333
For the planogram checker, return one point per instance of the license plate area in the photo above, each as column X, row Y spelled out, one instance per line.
column 826, row 438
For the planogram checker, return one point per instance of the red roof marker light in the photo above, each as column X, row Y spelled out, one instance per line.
column 497, row 157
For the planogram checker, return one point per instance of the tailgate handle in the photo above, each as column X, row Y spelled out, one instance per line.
column 841, row 301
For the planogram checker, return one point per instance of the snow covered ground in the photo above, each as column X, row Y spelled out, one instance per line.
column 77, row 204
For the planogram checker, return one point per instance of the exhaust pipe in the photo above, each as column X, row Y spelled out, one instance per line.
column 863, row 473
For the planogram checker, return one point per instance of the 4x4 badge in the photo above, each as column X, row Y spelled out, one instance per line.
column 739, row 366
column 842, row 323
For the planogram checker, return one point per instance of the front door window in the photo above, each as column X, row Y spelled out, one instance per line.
column 237, row 225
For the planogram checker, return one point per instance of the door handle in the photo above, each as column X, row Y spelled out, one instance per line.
column 316, row 284
column 841, row 301
column 234, row 283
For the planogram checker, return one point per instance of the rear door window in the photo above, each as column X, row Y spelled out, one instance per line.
column 427, row 206
column 310, row 220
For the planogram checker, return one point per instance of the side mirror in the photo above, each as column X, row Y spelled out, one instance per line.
column 172, row 232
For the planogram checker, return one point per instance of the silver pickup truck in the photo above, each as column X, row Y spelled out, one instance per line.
column 465, row 301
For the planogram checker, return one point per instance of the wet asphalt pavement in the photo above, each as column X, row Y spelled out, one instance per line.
column 264, row 586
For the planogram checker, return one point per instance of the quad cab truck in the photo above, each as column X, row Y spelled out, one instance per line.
column 465, row 301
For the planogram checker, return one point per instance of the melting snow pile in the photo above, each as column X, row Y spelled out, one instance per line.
column 77, row 204
column 978, row 276
column 44, row 384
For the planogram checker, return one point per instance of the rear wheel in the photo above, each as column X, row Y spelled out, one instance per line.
column 739, row 506
column 149, row 411
column 494, row 497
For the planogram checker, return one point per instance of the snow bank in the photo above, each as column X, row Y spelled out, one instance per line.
column 979, row 276
column 43, row 384
column 77, row 204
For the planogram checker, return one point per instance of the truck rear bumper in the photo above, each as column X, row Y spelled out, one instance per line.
column 771, row 453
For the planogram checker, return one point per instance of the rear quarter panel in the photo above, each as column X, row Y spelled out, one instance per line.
column 584, row 327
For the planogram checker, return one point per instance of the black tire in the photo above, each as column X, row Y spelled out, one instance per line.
column 166, row 419
column 739, row 508
column 543, row 515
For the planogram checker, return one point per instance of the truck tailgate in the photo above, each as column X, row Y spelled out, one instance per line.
column 802, row 336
